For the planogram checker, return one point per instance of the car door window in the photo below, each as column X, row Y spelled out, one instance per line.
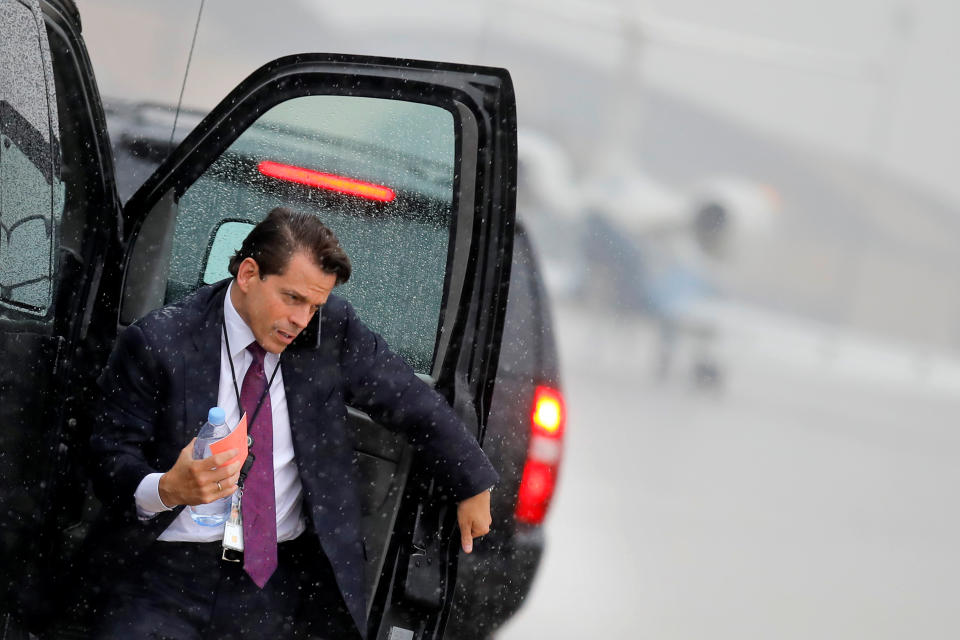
column 379, row 172
column 31, row 195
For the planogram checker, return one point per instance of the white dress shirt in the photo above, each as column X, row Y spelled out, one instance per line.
column 287, row 488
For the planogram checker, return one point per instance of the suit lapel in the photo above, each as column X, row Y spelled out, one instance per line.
column 303, row 383
column 306, row 388
column 201, row 368
column 297, row 391
column 310, row 377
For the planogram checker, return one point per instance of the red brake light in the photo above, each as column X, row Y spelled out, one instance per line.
column 536, row 489
column 547, row 421
column 548, row 412
column 329, row 181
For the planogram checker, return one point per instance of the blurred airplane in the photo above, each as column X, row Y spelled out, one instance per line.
column 625, row 241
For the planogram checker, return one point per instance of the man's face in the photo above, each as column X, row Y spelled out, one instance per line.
column 280, row 306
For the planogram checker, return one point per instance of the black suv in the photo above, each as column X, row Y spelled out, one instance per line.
column 413, row 164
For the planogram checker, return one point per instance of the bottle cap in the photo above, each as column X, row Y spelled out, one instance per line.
column 216, row 415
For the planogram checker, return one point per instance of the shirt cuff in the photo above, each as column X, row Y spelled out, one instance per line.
column 147, row 497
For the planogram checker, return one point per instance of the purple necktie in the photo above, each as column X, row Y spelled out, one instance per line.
column 258, row 504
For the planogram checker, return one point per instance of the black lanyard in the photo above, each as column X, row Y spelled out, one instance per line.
column 236, row 389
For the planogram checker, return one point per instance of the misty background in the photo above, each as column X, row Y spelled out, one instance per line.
column 771, row 452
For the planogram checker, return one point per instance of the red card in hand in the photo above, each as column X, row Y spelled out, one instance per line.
column 236, row 440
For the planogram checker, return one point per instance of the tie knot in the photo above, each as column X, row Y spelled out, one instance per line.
column 257, row 352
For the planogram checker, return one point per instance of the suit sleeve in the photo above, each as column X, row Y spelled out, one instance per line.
column 381, row 383
column 130, row 388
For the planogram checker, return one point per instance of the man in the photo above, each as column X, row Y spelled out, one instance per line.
column 222, row 346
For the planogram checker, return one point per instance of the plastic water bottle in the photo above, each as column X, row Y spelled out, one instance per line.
column 215, row 428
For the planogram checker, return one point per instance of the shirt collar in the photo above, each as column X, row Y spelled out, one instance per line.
column 238, row 331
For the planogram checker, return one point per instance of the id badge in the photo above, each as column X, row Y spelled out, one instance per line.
column 233, row 529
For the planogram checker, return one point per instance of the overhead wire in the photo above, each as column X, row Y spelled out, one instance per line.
column 186, row 73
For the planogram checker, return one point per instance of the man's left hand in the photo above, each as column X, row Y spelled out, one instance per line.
column 473, row 515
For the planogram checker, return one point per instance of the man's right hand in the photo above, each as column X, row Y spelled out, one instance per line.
column 194, row 482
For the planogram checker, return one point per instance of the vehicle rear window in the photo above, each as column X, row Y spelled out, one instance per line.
column 379, row 172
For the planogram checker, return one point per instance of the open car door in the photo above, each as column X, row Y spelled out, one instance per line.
column 413, row 164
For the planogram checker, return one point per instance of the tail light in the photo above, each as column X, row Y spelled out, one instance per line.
column 547, row 423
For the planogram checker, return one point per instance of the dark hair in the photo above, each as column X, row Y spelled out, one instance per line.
column 285, row 232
